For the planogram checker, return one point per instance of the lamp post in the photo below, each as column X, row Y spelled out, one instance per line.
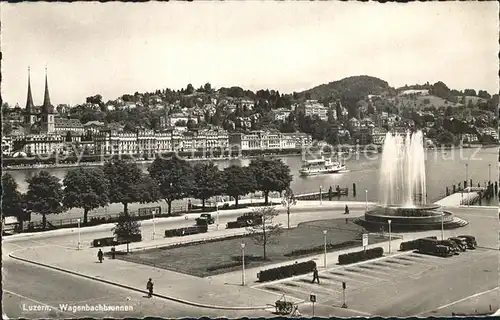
column 467, row 172
column 154, row 225
column 324, row 237
column 366, row 199
column 243, row 264
column 489, row 172
column 390, row 235
column 442, row 226
column 78, row 233
column 217, row 212
column 320, row 194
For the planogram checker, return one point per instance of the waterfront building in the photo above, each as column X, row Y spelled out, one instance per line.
column 6, row 146
column 266, row 140
column 62, row 126
column 39, row 144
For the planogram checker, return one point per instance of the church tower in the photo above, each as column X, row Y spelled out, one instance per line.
column 29, row 113
column 48, row 114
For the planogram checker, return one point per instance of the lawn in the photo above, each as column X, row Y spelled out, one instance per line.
column 223, row 256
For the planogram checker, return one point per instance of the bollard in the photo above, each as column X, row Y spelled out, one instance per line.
column 354, row 189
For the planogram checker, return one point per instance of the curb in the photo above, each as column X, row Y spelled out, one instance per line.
column 178, row 300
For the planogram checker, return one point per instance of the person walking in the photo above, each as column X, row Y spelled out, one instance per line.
column 315, row 275
column 149, row 286
column 100, row 255
column 346, row 209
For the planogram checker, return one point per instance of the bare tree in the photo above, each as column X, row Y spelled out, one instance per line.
column 287, row 201
column 265, row 232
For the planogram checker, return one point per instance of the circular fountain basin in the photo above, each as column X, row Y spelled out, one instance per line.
column 409, row 218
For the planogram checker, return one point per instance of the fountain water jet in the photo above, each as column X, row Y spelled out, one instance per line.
column 403, row 190
column 402, row 170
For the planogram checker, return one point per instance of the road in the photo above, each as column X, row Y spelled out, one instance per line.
column 26, row 287
column 461, row 276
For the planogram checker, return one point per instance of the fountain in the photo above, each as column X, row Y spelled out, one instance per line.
column 403, row 197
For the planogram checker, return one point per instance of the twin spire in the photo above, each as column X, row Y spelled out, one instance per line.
column 47, row 106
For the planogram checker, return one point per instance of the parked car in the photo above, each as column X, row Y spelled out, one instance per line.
column 471, row 241
column 460, row 242
column 450, row 244
column 204, row 219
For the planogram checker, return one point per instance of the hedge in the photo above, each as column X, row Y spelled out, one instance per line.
column 353, row 257
column 286, row 271
column 225, row 266
column 413, row 244
column 318, row 249
column 234, row 225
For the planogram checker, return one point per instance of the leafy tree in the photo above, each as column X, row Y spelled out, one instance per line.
column 44, row 196
column 270, row 175
column 288, row 200
column 238, row 181
column 128, row 184
column 207, row 181
column 265, row 232
column 189, row 89
column 174, row 178
column 207, row 87
column 6, row 128
column 12, row 199
column 127, row 228
column 86, row 188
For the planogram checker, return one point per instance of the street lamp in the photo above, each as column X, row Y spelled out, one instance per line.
column 243, row 264
column 489, row 172
column 366, row 199
column 154, row 225
column 390, row 235
column 78, row 233
column 217, row 212
column 466, row 172
column 324, row 237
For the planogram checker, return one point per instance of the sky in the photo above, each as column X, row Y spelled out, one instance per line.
column 116, row 48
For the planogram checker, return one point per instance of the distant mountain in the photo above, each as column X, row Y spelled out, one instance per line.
column 356, row 86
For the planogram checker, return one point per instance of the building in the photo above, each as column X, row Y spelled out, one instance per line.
column 281, row 114
column 39, row 120
column 266, row 140
column 7, row 146
column 378, row 135
column 39, row 144
column 62, row 126
column 314, row 108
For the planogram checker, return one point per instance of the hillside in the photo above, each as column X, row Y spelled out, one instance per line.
column 359, row 86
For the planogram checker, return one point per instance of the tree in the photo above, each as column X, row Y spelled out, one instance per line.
column 127, row 184
column 174, row 178
column 6, row 128
column 44, row 196
column 126, row 228
column 266, row 231
column 238, row 181
column 207, row 87
column 86, row 188
column 189, row 89
column 288, row 200
column 207, row 181
column 12, row 199
column 270, row 175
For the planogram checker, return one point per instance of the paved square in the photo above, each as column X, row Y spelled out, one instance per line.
column 401, row 284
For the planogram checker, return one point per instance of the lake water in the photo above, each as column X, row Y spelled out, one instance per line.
column 443, row 168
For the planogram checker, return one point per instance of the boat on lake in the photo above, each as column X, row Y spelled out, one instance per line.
column 321, row 166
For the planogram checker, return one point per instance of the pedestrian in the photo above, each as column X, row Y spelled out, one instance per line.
column 113, row 252
column 100, row 255
column 149, row 286
column 315, row 275
column 346, row 209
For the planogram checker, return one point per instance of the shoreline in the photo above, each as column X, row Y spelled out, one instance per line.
column 351, row 150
